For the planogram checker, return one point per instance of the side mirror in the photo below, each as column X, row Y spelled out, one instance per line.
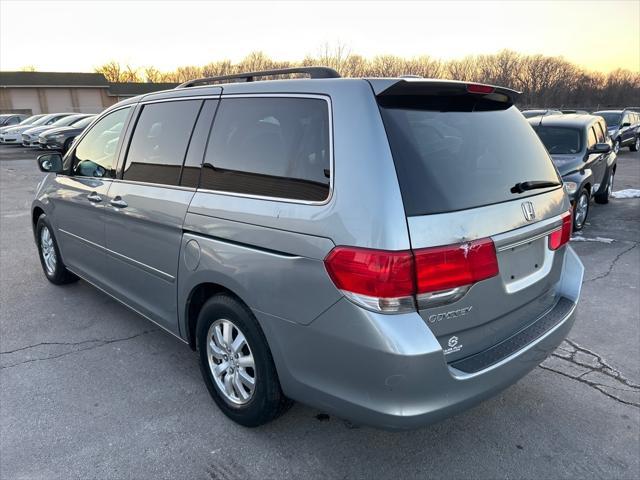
column 600, row 148
column 625, row 124
column 50, row 163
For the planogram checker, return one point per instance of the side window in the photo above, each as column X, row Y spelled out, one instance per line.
column 591, row 140
column 95, row 154
column 272, row 147
column 13, row 121
column 159, row 142
column 600, row 133
column 626, row 119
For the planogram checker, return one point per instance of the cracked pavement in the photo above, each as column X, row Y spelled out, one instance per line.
column 89, row 389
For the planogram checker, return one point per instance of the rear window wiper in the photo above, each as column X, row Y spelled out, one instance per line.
column 522, row 187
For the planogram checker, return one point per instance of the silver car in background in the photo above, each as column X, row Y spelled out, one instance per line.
column 30, row 137
column 13, row 135
column 371, row 247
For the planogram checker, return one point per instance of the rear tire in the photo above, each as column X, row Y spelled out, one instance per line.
column 635, row 146
column 67, row 145
column 581, row 210
column 603, row 198
column 616, row 146
column 49, row 254
column 246, row 404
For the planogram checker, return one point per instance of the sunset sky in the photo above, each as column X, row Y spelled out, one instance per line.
column 78, row 36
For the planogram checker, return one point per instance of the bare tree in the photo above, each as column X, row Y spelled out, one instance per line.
column 544, row 81
column 152, row 75
column 112, row 71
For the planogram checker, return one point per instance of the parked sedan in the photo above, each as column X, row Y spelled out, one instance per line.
column 24, row 123
column 30, row 136
column 11, row 119
column 583, row 155
column 14, row 134
column 61, row 138
column 623, row 127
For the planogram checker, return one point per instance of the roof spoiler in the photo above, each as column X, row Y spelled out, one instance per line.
column 448, row 88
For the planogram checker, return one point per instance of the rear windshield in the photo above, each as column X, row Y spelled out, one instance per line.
column 560, row 140
column 612, row 119
column 456, row 160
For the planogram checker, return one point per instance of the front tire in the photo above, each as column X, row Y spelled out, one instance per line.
column 581, row 210
column 635, row 146
column 616, row 146
column 236, row 363
column 49, row 253
column 603, row 197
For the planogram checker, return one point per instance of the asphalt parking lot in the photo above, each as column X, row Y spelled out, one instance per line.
column 89, row 389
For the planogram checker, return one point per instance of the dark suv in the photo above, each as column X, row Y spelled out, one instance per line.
column 623, row 127
column 583, row 154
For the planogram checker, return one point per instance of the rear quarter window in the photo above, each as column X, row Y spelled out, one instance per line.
column 271, row 147
column 456, row 160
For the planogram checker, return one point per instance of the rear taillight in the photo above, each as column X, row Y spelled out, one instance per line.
column 377, row 279
column 388, row 281
column 562, row 236
column 444, row 268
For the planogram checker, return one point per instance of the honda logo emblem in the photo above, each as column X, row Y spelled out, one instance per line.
column 528, row 211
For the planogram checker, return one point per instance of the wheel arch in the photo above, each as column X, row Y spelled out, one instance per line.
column 196, row 299
column 36, row 212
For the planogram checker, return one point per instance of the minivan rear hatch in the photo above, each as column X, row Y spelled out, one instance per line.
column 475, row 178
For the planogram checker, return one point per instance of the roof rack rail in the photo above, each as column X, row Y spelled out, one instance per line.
column 313, row 72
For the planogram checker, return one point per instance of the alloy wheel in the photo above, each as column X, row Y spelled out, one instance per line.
column 582, row 207
column 616, row 146
column 231, row 362
column 48, row 251
column 610, row 186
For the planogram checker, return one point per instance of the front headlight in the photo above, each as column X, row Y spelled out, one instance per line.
column 570, row 187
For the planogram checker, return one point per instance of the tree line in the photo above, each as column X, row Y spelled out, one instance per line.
column 544, row 80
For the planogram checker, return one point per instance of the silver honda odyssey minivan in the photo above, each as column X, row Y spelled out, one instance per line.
column 389, row 250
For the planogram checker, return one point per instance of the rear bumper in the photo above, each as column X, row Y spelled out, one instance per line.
column 389, row 371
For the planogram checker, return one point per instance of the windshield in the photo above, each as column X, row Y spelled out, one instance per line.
column 83, row 122
column 64, row 121
column 612, row 119
column 449, row 161
column 560, row 140
column 42, row 121
column 30, row 120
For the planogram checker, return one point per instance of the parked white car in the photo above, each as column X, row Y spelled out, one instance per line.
column 30, row 136
column 14, row 135
column 27, row 121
